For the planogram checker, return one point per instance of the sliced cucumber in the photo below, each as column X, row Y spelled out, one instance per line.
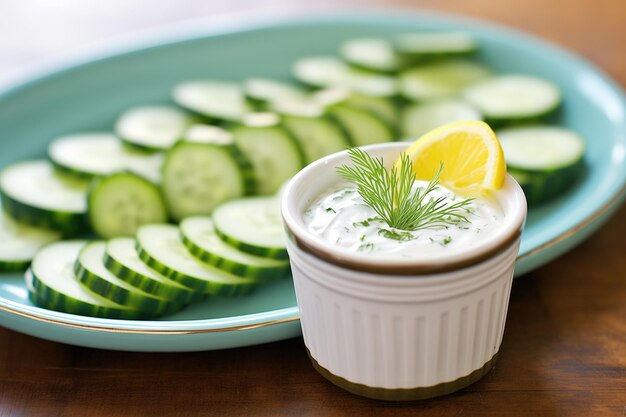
column 203, row 133
column 328, row 71
column 428, row 45
column 316, row 134
column 274, row 154
column 540, row 187
column 118, row 204
column 122, row 260
column 153, row 128
column 212, row 99
column 363, row 127
column 418, row 119
column 514, row 98
column 199, row 236
column 253, row 225
column 89, row 154
column 541, row 148
column 383, row 108
column 536, row 187
column 264, row 91
column 52, row 285
column 545, row 160
column 90, row 271
column 147, row 166
column 199, row 176
column 441, row 79
column 33, row 193
column 160, row 247
column 20, row 242
column 86, row 155
column 374, row 54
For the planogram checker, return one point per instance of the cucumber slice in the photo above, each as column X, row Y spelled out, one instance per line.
column 199, row 236
column 202, row 133
column 199, row 176
column 273, row 153
column 33, row 193
column 253, row 225
column 371, row 53
column 52, row 285
column 428, row 45
column 160, row 247
column 86, row 155
column 212, row 99
column 328, row 71
column 316, row 134
column 441, row 79
column 90, row 271
column 153, row 128
column 20, row 242
column 147, row 166
column 541, row 187
column 514, row 98
column 122, row 260
column 418, row 119
column 541, row 148
column 363, row 127
column 545, row 160
column 381, row 107
column 118, row 204
column 535, row 187
column 264, row 91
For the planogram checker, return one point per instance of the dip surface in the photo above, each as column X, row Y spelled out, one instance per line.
column 341, row 218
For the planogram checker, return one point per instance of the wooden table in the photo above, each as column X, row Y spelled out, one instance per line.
column 564, row 349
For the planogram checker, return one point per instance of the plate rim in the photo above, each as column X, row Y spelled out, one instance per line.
column 182, row 32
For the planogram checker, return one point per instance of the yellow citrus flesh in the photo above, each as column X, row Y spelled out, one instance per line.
column 471, row 154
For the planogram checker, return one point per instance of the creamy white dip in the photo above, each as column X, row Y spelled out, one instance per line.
column 341, row 218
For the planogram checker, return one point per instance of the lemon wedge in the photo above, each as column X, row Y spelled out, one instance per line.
column 472, row 158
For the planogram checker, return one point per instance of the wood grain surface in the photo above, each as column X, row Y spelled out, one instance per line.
column 564, row 348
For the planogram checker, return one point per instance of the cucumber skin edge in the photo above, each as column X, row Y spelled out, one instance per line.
column 81, row 175
column 14, row 266
column 201, row 285
column 150, row 306
column 272, row 253
column 148, row 285
column 141, row 147
column 542, row 186
column 264, row 274
column 48, row 298
column 68, row 223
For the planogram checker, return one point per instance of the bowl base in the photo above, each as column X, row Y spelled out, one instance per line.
column 405, row 394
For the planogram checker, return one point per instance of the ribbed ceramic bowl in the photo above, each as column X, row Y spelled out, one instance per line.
column 400, row 330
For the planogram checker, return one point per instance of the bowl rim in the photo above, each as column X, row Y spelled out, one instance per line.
column 511, row 197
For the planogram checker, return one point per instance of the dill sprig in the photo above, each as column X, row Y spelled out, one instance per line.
column 390, row 194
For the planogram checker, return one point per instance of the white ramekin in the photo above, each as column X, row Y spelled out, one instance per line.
column 399, row 330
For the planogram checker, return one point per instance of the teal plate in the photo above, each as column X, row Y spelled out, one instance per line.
column 90, row 95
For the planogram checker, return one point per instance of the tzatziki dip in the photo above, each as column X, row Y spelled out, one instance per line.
column 341, row 218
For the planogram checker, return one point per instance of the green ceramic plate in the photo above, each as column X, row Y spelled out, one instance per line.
column 92, row 94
